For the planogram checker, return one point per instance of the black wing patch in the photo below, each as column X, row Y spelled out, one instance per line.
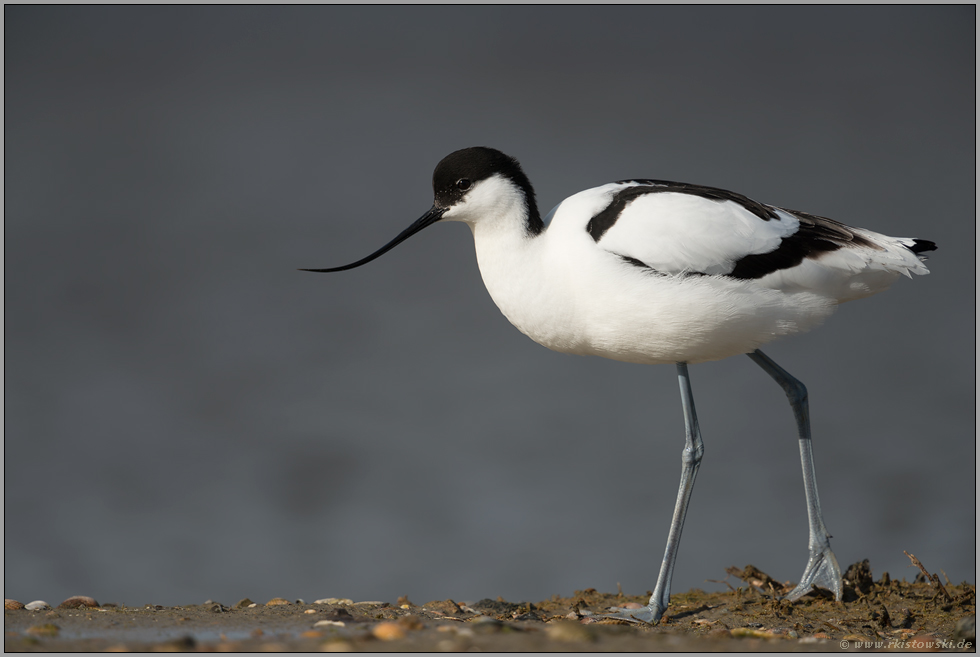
column 606, row 219
column 815, row 237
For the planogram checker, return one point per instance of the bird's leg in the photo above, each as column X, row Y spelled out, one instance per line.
column 690, row 460
column 821, row 569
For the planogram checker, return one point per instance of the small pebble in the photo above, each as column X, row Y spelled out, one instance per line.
column 389, row 631
column 310, row 611
column 77, row 601
column 752, row 633
column 328, row 623
column 254, row 604
column 12, row 604
column 277, row 601
column 37, row 605
column 787, row 633
column 444, row 607
column 334, row 601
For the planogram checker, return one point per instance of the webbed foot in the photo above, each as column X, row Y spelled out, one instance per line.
column 649, row 615
column 821, row 570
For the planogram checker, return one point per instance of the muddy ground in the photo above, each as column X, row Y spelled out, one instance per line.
column 887, row 614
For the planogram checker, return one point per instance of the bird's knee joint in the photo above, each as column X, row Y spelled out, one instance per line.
column 692, row 455
column 797, row 393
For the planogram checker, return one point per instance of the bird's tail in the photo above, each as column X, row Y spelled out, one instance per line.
column 919, row 246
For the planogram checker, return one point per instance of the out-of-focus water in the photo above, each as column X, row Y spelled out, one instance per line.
column 189, row 417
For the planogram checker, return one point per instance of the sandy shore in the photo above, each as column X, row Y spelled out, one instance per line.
column 886, row 614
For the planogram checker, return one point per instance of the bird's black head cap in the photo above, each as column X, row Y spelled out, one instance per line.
column 459, row 171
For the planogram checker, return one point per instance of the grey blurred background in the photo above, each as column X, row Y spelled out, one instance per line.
column 189, row 417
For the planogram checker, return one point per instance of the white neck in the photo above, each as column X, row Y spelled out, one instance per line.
column 513, row 264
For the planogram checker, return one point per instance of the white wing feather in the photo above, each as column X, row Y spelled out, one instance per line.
column 675, row 233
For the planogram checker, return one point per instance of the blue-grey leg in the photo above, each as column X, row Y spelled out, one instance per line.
column 822, row 568
column 690, row 460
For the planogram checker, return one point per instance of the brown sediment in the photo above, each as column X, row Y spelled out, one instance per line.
column 881, row 614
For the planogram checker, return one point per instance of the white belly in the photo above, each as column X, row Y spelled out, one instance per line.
column 577, row 299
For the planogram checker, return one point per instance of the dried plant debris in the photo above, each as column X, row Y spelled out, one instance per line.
column 858, row 579
column 931, row 577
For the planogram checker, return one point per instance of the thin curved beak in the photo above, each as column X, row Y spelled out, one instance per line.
column 427, row 219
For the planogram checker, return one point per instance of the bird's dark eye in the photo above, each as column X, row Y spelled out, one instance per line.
column 462, row 184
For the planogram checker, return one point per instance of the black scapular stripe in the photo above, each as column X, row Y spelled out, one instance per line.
column 607, row 218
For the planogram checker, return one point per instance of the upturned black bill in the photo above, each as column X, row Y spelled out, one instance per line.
column 429, row 218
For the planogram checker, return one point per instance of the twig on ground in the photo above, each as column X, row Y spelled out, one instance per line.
column 932, row 578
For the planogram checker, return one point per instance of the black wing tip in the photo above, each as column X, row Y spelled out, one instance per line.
column 921, row 246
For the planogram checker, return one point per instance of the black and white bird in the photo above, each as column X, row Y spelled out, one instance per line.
column 651, row 271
